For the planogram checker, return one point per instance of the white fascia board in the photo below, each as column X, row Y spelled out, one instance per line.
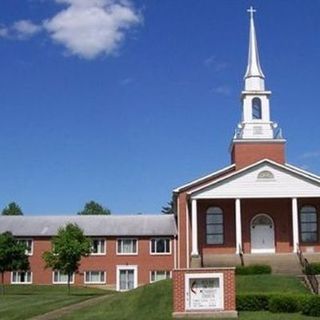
column 284, row 167
column 302, row 171
column 211, row 175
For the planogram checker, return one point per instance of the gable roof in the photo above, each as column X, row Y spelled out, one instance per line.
column 209, row 177
column 98, row 225
column 292, row 170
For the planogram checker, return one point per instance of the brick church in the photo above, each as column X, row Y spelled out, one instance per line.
column 259, row 207
column 260, row 204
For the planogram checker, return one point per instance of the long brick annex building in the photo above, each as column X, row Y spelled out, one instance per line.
column 258, row 206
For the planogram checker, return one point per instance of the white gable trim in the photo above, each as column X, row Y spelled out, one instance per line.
column 290, row 169
column 211, row 175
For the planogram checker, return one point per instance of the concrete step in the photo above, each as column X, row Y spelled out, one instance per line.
column 312, row 257
column 221, row 260
column 285, row 264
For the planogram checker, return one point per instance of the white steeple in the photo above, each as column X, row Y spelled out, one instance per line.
column 256, row 122
column 254, row 77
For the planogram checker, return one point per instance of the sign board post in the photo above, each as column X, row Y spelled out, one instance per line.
column 204, row 292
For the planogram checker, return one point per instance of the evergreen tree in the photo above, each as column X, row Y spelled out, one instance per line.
column 12, row 209
column 94, row 208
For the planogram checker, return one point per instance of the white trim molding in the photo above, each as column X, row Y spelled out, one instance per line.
column 238, row 225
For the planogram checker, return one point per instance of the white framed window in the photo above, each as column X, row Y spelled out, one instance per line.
column 95, row 277
column 214, row 226
column 29, row 244
column 98, row 247
column 127, row 246
column 160, row 246
column 61, row 278
column 21, row 277
column 308, row 224
column 127, row 277
column 157, row 275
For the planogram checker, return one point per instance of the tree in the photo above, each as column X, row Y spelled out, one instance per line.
column 169, row 208
column 68, row 247
column 12, row 256
column 92, row 208
column 12, row 209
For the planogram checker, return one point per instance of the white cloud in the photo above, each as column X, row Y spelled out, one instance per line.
column 310, row 155
column 215, row 63
column 25, row 28
column 22, row 29
column 223, row 90
column 88, row 28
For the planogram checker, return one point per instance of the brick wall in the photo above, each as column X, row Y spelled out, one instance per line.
column 178, row 277
column 244, row 154
column 108, row 262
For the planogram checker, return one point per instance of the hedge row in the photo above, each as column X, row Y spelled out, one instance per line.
column 312, row 268
column 307, row 304
column 253, row 269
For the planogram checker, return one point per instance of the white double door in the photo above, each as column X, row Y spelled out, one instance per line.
column 262, row 235
column 127, row 277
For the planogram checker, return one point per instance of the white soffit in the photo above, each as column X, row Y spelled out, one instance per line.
column 245, row 183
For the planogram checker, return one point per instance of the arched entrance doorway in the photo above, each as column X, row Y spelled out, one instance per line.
column 262, row 234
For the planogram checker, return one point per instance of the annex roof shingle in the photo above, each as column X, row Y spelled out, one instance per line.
column 134, row 225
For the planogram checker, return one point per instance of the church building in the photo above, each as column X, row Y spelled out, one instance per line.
column 258, row 209
column 259, row 204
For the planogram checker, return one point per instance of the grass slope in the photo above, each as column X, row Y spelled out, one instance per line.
column 270, row 284
column 25, row 301
column 154, row 302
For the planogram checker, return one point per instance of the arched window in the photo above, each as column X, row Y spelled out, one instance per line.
column 265, row 174
column 214, row 225
column 256, row 108
column 308, row 224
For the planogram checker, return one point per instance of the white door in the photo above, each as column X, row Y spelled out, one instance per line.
column 262, row 234
column 126, row 278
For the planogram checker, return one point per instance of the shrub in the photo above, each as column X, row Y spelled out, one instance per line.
column 253, row 269
column 252, row 302
column 311, row 306
column 312, row 268
column 284, row 303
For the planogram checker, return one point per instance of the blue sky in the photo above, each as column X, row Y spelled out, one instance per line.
column 120, row 102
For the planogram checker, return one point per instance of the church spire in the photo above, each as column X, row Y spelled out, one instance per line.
column 254, row 77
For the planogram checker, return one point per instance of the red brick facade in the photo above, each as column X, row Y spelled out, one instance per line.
column 246, row 153
column 144, row 260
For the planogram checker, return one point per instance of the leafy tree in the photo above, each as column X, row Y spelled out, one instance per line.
column 12, row 256
column 68, row 247
column 12, row 209
column 169, row 208
column 92, row 208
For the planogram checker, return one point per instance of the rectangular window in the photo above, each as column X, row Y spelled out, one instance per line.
column 214, row 226
column 127, row 246
column 159, row 275
column 21, row 277
column 29, row 244
column 95, row 277
column 308, row 224
column 98, row 246
column 61, row 278
column 160, row 246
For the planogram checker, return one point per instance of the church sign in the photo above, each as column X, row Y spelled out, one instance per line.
column 205, row 291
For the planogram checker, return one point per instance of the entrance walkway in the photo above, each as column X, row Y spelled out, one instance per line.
column 58, row 313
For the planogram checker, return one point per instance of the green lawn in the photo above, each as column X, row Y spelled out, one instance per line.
column 154, row 302
column 269, row 284
column 151, row 302
column 24, row 301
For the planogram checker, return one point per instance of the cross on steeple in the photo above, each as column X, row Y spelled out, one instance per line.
column 251, row 11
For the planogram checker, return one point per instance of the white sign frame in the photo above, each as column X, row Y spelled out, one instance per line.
column 215, row 275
